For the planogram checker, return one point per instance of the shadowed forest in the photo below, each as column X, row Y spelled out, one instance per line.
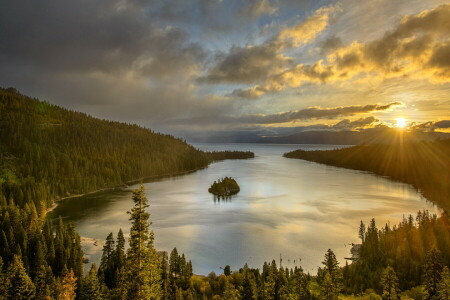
column 424, row 165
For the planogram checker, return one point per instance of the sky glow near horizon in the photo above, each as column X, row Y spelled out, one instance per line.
column 193, row 65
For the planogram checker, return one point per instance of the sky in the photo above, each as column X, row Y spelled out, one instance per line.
column 187, row 66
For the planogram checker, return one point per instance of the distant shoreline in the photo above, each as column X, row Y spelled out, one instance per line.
column 126, row 184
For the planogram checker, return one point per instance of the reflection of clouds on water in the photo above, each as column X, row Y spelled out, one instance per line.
column 292, row 207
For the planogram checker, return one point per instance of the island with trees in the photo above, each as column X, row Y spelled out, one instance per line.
column 224, row 187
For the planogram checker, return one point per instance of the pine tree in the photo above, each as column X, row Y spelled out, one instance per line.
column 120, row 250
column 2, row 281
column 331, row 265
column 107, row 269
column 389, row 282
column 43, row 283
column 174, row 262
column 65, row 287
column 91, row 286
column 432, row 272
column 362, row 231
column 248, row 291
column 18, row 283
column 227, row 270
column 230, row 293
column 327, row 288
column 142, row 261
column 443, row 288
column 301, row 290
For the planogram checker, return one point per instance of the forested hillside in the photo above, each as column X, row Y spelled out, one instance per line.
column 425, row 165
column 48, row 152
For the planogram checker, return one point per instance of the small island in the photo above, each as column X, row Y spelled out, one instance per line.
column 224, row 187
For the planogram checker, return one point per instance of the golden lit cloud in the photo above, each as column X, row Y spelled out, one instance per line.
column 418, row 48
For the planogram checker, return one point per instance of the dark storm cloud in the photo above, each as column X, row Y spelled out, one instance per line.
column 77, row 36
column 247, row 64
column 106, row 57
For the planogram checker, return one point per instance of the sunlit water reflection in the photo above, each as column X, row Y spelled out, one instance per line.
column 291, row 207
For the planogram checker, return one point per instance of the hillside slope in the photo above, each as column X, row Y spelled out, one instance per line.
column 425, row 165
column 47, row 151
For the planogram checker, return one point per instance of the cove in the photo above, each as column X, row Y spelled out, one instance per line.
column 295, row 208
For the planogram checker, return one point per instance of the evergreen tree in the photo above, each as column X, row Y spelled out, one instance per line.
column 300, row 290
column 174, row 262
column 43, row 282
column 248, row 291
column 327, row 288
column 18, row 283
column 66, row 287
column 230, row 293
column 432, row 272
column 389, row 282
column 362, row 231
column 142, row 261
column 227, row 270
column 3, row 281
column 443, row 288
column 107, row 268
column 331, row 265
column 91, row 286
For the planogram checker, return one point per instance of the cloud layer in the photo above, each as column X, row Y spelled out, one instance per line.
column 419, row 48
column 197, row 62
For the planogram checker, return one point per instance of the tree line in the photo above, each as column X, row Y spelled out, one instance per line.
column 43, row 261
column 48, row 152
column 425, row 165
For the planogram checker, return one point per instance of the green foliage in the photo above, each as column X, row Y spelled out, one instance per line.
column 432, row 273
column 404, row 247
column 91, row 286
column 222, row 155
column 18, row 283
column 224, row 187
column 389, row 283
column 413, row 163
column 50, row 152
column 142, row 263
column 443, row 288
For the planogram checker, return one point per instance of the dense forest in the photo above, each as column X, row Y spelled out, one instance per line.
column 425, row 165
column 409, row 260
column 48, row 152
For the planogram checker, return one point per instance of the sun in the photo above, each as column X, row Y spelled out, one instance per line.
column 400, row 123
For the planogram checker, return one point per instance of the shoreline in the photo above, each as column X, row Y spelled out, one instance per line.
column 124, row 185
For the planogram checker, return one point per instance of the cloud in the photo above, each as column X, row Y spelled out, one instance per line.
column 247, row 65
column 359, row 123
column 257, row 63
column 306, row 31
column 330, row 43
column 297, row 115
column 431, row 125
column 417, row 48
column 258, row 8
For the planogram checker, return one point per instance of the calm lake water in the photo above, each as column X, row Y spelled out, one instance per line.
column 291, row 207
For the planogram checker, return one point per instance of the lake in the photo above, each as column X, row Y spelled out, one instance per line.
column 288, row 207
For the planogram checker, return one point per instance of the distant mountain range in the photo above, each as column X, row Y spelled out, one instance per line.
column 368, row 136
